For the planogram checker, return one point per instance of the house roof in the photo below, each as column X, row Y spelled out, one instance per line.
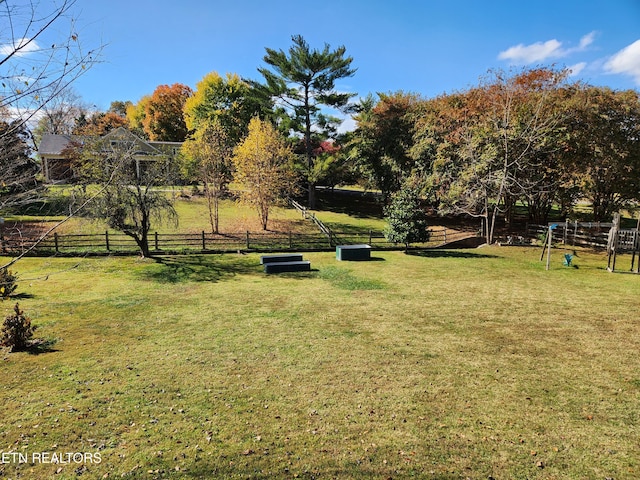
column 52, row 144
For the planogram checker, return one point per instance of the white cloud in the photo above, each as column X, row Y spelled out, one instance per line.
column 626, row 61
column 21, row 46
column 577, row 68
column 542, row 51
column 347, row 125
column 536, row 52
column 587, row 40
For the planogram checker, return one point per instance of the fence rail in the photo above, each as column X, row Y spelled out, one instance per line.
column 593, row 235
column 117, row 243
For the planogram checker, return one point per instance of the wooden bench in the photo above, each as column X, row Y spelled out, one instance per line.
column 353, row 252
column 280, row 267
column 284, row 257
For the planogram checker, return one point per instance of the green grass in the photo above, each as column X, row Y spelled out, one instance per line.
column 194, row 218
column 445, row 364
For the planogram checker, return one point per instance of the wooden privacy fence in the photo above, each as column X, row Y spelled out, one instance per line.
column 575, row 234
column 118, row 243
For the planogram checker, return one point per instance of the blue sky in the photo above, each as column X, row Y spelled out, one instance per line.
column 420, row 46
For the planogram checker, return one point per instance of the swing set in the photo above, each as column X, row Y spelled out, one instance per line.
column 623, row 241
column 619, row 241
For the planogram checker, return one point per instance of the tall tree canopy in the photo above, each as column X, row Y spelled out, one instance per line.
column 59, row 116
column 17, row 169
column 100, row 123
column 383, row 139
column 605, row 146
column 229, row 100
column 486, row 147
column 303, row 80
column 161, row 113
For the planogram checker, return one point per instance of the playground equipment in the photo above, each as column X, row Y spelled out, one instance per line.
column 623, row 241
column 570, row 234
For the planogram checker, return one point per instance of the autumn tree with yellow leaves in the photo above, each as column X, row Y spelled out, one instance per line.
column 264, row 168
column 207, row 156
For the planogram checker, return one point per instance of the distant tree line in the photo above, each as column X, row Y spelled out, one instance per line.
column 529, row 137
column 526, row 138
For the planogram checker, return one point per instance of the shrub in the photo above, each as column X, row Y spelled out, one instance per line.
column 17, row 330
column 407, row 220
column 7, row 282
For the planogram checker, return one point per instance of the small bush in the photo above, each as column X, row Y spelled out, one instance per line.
column 7, row 282
column 17, row 331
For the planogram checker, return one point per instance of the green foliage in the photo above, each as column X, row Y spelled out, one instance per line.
column 7, row 282
column 229, row 101
column 17, row 330
column 18, row 183
column 383, row 139
column 303, row 79
column 407, row 221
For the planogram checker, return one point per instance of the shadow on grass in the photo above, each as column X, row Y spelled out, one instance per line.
column 356, row 204
column 295, row 275
column 199, row 268
column 436, row 253
column 22, row 296
column 364, row 260
column 40, row 346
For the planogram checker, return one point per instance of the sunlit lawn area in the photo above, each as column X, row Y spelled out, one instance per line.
column 194, row 218
column 446, row 364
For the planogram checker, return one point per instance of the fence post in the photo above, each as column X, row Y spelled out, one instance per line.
column 203, row 241
column 156, row 240
column 370, row 237
column 248, row 240
column 290, row 241
column 3, row 246
column 445, row 235
column 55, row 241
column 106, row 239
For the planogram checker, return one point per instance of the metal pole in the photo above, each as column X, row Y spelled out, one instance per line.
column 550, row 234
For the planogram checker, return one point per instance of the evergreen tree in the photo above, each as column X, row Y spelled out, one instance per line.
column 303, row 80
column 407, row 221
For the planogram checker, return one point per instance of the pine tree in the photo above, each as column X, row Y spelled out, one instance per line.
column 303, row 80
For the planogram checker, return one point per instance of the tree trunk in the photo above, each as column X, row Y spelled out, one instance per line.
column 308, row 148
column 312, row 195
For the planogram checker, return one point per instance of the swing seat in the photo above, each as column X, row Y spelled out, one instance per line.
column 568, row 258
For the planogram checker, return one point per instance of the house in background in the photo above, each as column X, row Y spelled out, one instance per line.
column 57, row 166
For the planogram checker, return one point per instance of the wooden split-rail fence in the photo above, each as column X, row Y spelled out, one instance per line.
column 15, row 241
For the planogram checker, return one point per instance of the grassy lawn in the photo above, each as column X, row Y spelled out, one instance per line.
column 194, row 218
column 450, row 364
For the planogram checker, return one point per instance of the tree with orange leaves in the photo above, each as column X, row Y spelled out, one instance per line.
column 162, row 118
